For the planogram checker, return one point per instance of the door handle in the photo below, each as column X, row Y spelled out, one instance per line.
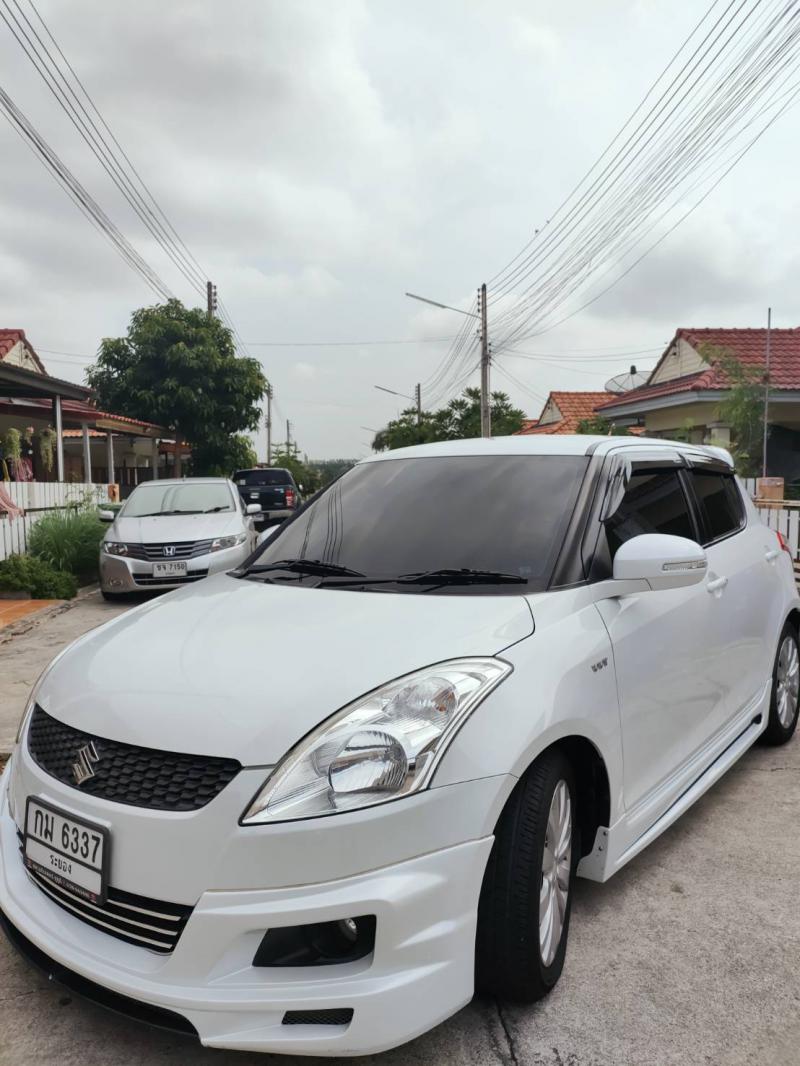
column 717, row 584
column 771, row 555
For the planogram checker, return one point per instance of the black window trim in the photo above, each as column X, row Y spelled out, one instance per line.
column 597, row 561
column 719, row 469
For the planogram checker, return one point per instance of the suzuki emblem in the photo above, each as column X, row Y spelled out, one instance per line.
column 83, row 767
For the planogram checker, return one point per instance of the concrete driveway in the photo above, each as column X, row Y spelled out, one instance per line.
column 689, row 957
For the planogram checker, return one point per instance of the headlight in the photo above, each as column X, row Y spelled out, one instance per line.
column 383, row 746
column 112, row 547
column 227, row 542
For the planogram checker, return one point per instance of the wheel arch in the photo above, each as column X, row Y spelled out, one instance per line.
column 591, row 780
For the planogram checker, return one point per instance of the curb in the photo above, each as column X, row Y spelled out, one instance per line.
column 27, row 624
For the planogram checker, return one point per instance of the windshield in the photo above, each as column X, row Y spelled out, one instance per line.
column 263, row 477
column 502, row 514
column 188, row 497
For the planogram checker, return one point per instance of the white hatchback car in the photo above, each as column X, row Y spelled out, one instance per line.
column 174, row 532
column 304, row 806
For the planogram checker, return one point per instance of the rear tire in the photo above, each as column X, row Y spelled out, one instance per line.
column 785, row 697
column 519, row 949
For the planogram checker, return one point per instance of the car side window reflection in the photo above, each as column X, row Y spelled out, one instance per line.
column 654, row 502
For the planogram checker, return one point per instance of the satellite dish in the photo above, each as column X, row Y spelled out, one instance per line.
column 625, row 382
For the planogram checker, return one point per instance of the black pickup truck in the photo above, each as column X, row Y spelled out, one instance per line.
column 272, row 487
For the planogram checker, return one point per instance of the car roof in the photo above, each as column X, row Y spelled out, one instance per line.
column 185, row 481
column 546, row 444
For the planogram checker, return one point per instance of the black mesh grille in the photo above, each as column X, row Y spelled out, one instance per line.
column 125, row 773
column 339, row 1016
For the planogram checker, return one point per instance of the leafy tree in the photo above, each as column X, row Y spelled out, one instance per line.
column 600, row 426
column 327, row 470
column 179, row 368
column 239, row 455
column 458, row 420
column 742, row 409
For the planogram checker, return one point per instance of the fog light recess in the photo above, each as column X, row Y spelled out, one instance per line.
column 319, row 944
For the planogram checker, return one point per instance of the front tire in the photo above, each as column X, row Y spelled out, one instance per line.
column 785, row 698
column 524, row 909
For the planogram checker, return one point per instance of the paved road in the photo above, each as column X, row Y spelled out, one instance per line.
column 689, row 957
column 27, row 647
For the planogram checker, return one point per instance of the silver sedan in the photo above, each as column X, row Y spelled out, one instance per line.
column 175, row 532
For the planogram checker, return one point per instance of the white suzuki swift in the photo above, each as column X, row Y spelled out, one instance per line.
column 310, row 805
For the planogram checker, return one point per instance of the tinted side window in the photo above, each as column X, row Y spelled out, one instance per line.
column 720, row 504
column 654, row 502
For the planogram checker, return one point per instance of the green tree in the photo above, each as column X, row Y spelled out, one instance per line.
column 599, row 426
column 239, row 455
column 178, row 368
column 458, row 420
column 742, row 409
column 327, row 470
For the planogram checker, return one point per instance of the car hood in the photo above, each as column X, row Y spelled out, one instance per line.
column 161, row 528
column 245, row 669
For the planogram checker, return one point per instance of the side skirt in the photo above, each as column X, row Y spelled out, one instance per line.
column 612, row 849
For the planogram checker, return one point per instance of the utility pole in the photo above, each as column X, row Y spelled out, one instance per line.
column 766, row 394
column 486, row 404
column 269, row 425
column 418, row 398
column 211, row 299
column 288, row 437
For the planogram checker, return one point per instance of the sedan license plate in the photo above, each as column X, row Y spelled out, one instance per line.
column 169, row 569
column 66, row 850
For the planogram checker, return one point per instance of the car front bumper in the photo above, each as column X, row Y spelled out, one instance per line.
column 425, row 904
column 119, row 574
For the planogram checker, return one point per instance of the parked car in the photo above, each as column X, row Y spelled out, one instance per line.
column 456, row 710
column 272, row 487
column 175, row 532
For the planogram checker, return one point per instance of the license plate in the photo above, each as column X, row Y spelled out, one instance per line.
column 66, row 850
column 169, row 569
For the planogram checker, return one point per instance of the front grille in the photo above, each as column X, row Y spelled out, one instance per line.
column 148, row 923
column 187, row 579
column 177, row 549
column 126, row 773
column 336, row 1016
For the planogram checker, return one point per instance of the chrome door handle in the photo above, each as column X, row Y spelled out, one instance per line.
column 771, row 554
column 717, row 584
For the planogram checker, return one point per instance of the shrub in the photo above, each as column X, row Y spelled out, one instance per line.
column 68, row 540
column 26, row 573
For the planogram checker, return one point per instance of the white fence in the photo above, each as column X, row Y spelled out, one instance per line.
column 38, row 498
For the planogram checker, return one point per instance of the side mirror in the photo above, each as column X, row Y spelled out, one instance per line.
column 266, row 534
column 106, row 516
column 663, row 561
column 253, row 508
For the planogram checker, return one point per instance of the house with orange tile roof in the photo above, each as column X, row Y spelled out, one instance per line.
column 563, row 411
column 685, row 390
column 91, row 445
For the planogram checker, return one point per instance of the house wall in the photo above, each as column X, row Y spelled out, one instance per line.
column 682, row 359
column 675, row 418
column 551, row 413
column 20, row 356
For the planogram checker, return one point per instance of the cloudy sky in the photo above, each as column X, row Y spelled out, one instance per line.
column 321, row 158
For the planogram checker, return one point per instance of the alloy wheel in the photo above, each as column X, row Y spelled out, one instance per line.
column 787, row 686
column 556, row 869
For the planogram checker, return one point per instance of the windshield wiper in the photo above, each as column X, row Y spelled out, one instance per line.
column 304, row 566
column 211, row 510
column 462, row 576
column 161, row 514
column 444, row 576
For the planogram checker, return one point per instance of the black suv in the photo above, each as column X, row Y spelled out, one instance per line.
column 271, row 486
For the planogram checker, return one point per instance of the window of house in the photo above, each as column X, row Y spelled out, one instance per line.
column 654, row 502
column 720, row 504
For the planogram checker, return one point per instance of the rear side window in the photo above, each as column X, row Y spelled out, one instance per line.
column 256, row 478
column 654, row 502
column 720, row 504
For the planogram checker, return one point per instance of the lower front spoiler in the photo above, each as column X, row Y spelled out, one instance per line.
column 82, row 986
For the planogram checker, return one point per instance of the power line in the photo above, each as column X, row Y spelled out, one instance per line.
column 345, row 344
